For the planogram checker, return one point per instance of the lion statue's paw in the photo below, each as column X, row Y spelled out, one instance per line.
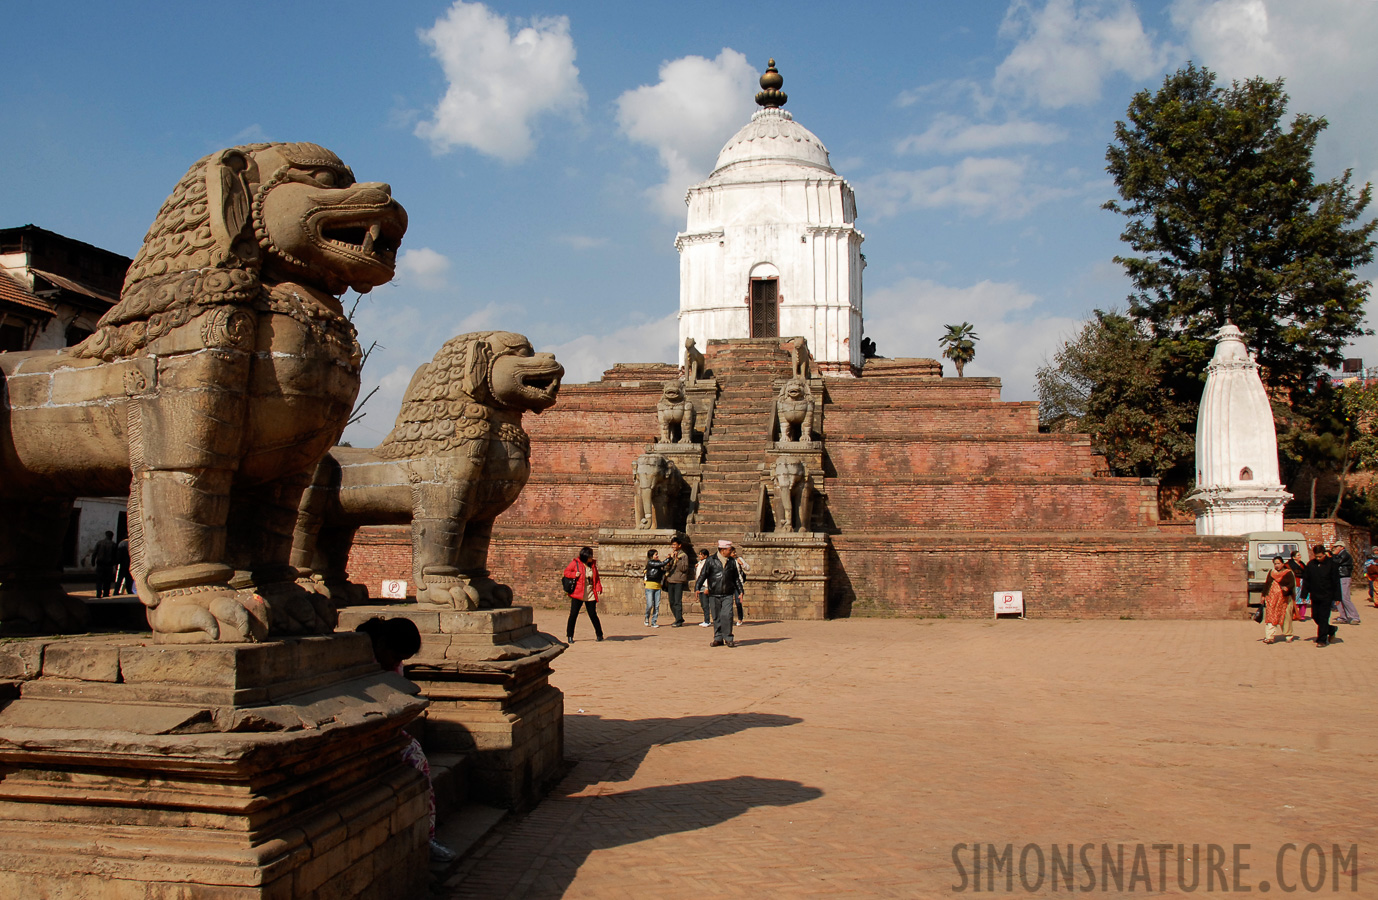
column 297, row 609
column 448, row 590
column 215, row 613
column 490, row 594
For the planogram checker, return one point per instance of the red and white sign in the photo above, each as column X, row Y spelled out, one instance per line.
column 1009, row 602
column 395, row 590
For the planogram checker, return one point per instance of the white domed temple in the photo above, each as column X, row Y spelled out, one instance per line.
column 771, row 248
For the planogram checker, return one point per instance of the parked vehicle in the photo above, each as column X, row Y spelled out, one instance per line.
column 1263, row 546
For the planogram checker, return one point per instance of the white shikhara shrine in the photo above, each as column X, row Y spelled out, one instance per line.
column 770, row 248
column 1238, row 487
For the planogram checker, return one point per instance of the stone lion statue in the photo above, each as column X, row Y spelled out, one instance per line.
column 794, row 410
column 456, row 459
column 209, row 393
column 792, row 496
column 693, row 362
column 675, row 413
column 658, row 484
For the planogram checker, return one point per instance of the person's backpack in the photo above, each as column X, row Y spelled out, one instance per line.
column 569, row 583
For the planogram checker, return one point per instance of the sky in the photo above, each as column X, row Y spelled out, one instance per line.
column 543, row 149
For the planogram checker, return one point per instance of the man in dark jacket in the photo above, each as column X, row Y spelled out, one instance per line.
column 722, row 579
column 103, row 556
column 1348, row 612
column 677, row 569
column 1320, row 583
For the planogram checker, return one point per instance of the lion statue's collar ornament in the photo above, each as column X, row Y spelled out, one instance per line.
column 209, row 392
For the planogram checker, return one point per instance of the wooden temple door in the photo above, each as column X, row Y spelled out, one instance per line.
column 765, row 307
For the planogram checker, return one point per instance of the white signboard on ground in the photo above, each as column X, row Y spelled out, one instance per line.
column 397, row 590
column 1009, row 602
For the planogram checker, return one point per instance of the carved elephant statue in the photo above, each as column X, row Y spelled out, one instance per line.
column 793, row 499
column 657, row 483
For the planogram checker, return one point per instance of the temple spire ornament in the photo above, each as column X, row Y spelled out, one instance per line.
column 771, row 97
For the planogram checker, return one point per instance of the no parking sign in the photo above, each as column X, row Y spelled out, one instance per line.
column 1009, row 602
column 395, row 589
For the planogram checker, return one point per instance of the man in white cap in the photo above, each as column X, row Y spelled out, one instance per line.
column 1348, row 612
column 722, row 579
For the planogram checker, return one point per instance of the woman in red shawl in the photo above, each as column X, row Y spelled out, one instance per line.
column 1278, row 589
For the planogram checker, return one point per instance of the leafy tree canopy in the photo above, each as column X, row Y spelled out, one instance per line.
column 1228, row 223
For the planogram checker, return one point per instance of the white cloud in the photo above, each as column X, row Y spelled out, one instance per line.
column 499, row 83
column 423, row 268
column 910, row 316
column 1066, row 48
column 1324, row 50
column 982, row 100
column 999, row 187
column 588, row 356
column 957, row 134
column 686, row 117
column 581, row 241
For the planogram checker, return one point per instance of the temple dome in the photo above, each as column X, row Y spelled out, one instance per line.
column 772, row 137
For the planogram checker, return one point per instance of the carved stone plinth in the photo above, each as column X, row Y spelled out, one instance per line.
column 622, row 566
column 134, row 770
column 788, row 577
column 487, row 675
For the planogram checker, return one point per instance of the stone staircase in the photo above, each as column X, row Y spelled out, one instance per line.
column 735, row 446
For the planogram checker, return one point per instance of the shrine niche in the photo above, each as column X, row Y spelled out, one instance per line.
column 209, row 393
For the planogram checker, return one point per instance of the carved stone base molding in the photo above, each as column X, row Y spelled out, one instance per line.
column 622, row 567
column 274, row 770
column 789, row 575
column 486, row 673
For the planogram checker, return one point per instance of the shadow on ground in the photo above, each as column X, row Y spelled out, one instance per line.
column 599, row 821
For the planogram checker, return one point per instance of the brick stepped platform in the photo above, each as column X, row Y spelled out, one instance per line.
column 729, row 497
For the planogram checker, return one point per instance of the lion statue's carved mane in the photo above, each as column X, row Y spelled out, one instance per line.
column 456, row 458
column 209, row 392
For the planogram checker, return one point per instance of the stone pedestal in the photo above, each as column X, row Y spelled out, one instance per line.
column 622, row 567
column 789, row 575
column 134, row 770
column 486, row 673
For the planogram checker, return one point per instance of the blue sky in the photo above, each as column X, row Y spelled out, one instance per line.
column 542, row 149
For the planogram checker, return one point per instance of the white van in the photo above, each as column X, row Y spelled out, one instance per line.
column 1263, row 546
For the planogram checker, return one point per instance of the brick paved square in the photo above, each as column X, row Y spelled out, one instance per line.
column 847, row 758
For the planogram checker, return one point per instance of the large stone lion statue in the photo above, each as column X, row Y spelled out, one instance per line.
column 794, row 411
column 675, row 414
column 455, row 460
column 209, row 393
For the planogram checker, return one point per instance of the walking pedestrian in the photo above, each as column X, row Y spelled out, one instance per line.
column 1344, row 563
column 1371, row 573
column 103, row 557
column 702, row 594
column 722, row 578
column 1279, row 587
column 744, row 569
column 1298, row 567
column 676, row 578
column 655, row 574
column 584, row 591
column 1321, row 583
column 124, row 579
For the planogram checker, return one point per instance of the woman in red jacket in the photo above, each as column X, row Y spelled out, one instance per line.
column 584, row 570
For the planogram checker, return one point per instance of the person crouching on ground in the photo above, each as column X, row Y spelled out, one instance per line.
column 1278, row 589
column 722, row 579
column 584, row 570
column 396, row 640
column 655, row 574
column 1320, row 583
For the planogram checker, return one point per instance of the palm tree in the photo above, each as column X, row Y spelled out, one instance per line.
column 959, row 345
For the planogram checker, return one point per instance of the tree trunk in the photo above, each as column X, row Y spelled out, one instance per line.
column 960, row 365
column 1344, row 479
column 1313, row 498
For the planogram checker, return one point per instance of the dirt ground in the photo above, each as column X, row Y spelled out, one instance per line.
column 854, row 758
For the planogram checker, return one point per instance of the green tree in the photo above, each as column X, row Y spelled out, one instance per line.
column 1108, row 381
column 959, row 345
column 1228, row 223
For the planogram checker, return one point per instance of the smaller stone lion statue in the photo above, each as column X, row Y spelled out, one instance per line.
column 794, row 411
column 456, row 459
column 792, row 496
column 675, row 413
column 693, row 362
column 658, row 484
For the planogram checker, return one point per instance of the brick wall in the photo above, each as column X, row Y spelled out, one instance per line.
column 1150, row 577
column 966, row 456
column 1000, row 504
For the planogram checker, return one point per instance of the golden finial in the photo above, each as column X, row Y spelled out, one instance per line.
column 771, row 97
